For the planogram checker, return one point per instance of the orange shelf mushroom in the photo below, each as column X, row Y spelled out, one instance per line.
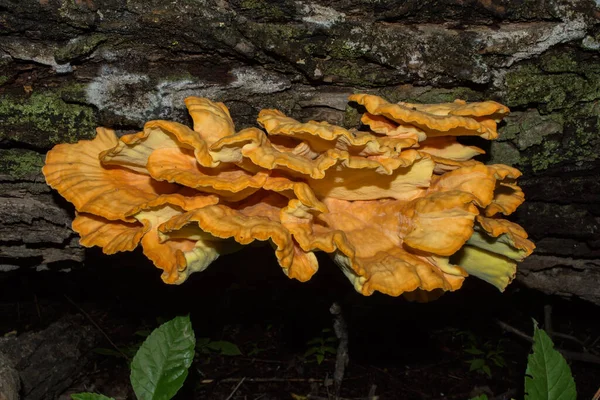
column 402, row 207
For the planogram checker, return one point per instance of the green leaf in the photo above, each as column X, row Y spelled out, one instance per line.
column 311, row 351
column 161, row 364
column 89, row 396
column 255, row 351
column 476, row 364
column 320, row 358
column 499, row 362
column 480, row 397
column 330, row 350
column 487, row 370
column 548, row 376
column 474, row 351
column 225, row 348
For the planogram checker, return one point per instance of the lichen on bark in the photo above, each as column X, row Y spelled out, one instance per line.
column 45, row 118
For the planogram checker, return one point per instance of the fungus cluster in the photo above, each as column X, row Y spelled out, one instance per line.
column 400, row 205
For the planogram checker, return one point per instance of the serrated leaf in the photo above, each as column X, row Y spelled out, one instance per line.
column 548, row 376
column 89, row 396
column 161, row 364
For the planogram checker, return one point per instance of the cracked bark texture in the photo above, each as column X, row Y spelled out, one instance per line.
column 46, row 362
column 69, row 66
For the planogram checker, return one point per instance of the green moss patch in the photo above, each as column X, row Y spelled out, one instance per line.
column 20, row 162
column 45, row 118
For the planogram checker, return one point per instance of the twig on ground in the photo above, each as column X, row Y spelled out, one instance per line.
column 341, row 361
column 597, row 395
column 550, row 329
column 37, row 307
column 571, row 355
column 235, row 389
column 89, row 318
column 517, row 332
column 371, row 395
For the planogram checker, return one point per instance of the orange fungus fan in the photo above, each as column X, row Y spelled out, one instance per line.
column 401, row 206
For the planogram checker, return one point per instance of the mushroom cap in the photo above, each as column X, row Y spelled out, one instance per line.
column 256, row 219
column 178, row 165
column 381, row 125
column 459, row 107
column 211, row 120
column 322, row 136
column 75, row 171
column 402, row 208
column 111, row 236
column 376, row 231
column 448, row 147
column 433, row 124
column 132, row 151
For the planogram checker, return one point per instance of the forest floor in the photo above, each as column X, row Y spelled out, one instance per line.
column 255, row 327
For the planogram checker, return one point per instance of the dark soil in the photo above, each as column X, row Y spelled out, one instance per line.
column 398, row 349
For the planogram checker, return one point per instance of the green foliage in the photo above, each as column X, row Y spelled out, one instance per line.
column 161, row 364
column 219, row 347
column 485, row 354
column 256, row 349
column 90, row 396
column 46, row 117
column 20, row 162
column 322, row 346
column 548, row 376
column 129, row 351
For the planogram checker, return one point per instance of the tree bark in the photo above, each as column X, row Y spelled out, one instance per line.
column 50, row 360
column 69, row 66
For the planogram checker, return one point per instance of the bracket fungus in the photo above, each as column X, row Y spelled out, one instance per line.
column 401, row 205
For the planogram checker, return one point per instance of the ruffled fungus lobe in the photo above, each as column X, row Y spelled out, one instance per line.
column 402, row 207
